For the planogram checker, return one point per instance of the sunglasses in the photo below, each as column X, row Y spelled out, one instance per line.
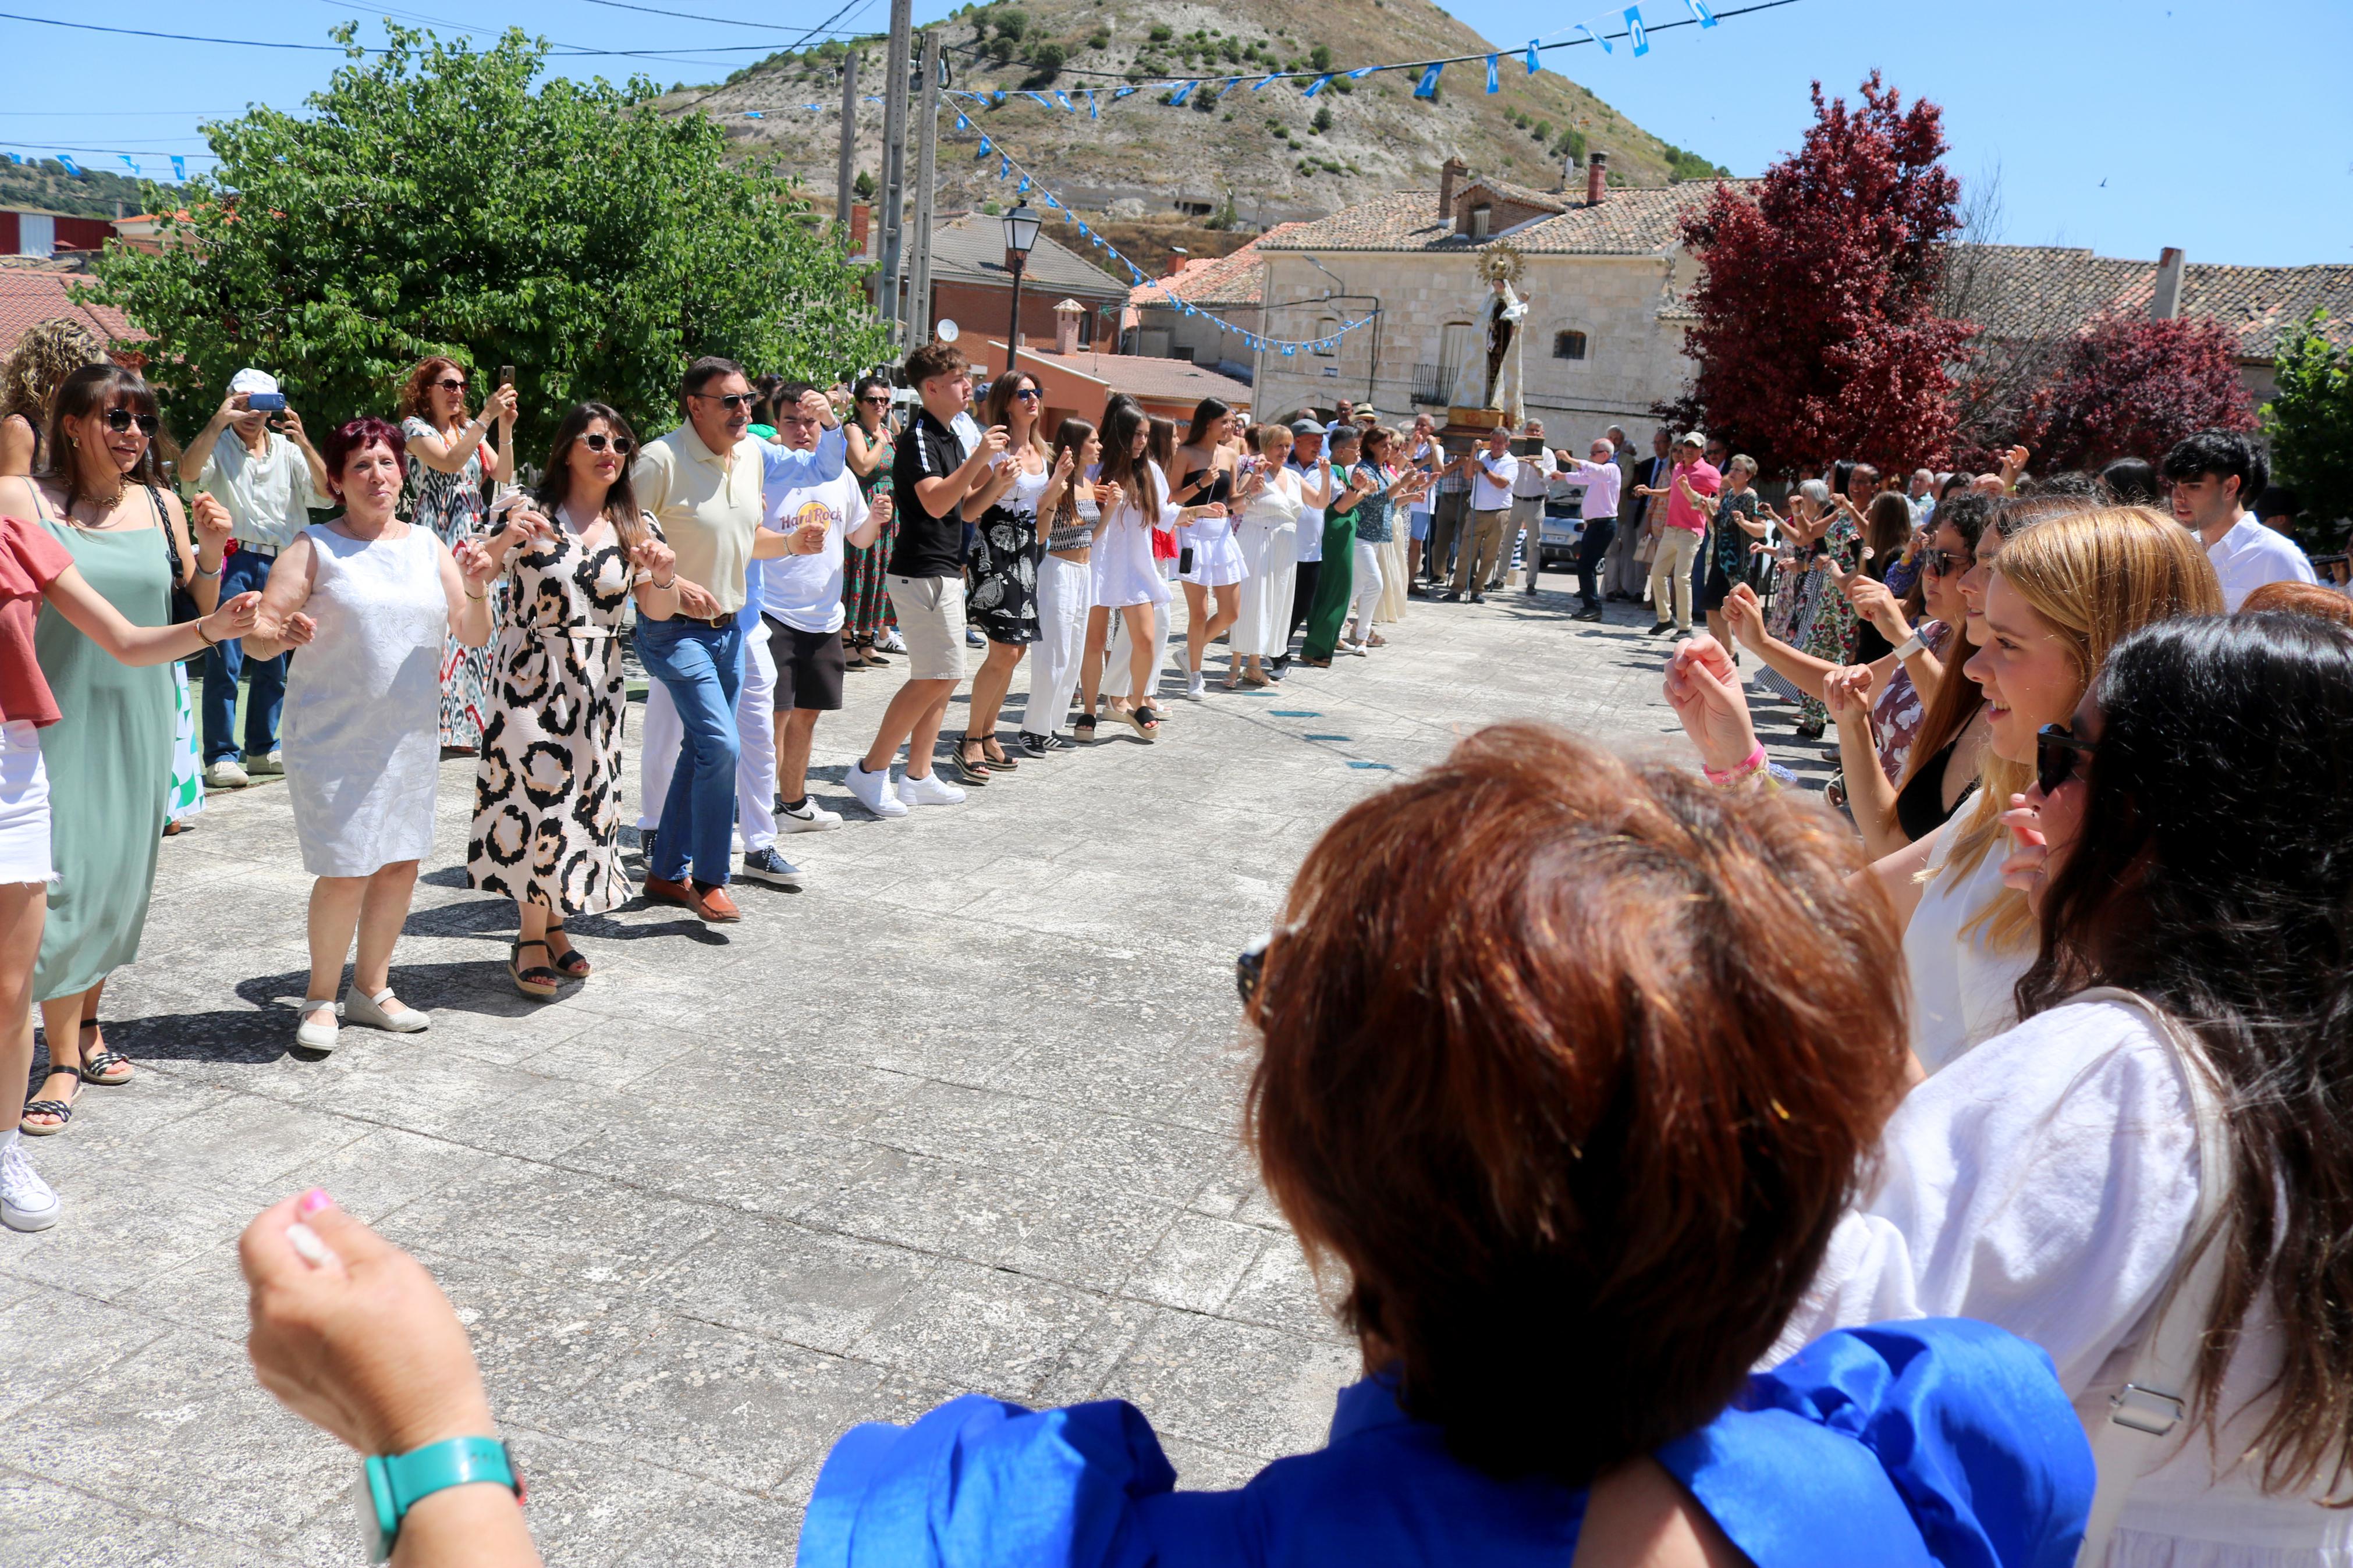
column 451, row 385
column 621, row 445
column 2056, row 749
column 1942, row 563
column 731, row 401
column 1249, row 966
column 1029, row 395
column 875, row 398
column 121, row 419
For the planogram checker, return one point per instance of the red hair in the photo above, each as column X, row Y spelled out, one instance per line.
column 356, row 436
column 417, row 392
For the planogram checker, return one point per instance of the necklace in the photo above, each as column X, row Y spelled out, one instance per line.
column 105, row 506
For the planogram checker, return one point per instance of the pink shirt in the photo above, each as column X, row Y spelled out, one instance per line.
column 1702, row 477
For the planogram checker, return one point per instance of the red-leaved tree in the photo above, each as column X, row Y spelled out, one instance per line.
column 1818, row 337
column 2129, row 387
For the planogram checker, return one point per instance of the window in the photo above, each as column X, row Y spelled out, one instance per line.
column 1325, row 328
column 1568, row 345
column 1480, row 216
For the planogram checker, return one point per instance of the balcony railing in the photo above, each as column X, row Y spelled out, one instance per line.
column 1431, row 385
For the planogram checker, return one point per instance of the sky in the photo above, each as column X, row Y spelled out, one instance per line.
column 2220, row 126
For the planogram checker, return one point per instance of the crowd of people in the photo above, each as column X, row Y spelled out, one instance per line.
column 1957, row 1183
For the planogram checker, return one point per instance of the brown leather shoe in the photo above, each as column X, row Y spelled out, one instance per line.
column 662, row 890
column 712, row 905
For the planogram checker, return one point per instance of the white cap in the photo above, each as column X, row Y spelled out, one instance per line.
column 249, row 381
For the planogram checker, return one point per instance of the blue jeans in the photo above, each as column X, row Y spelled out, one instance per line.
column 701, row 667
column 246, row 569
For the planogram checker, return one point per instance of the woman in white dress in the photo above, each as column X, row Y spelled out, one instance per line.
column 2147, row 1177
column 1070, row 522
column 1127, row 579
column 1209, row 561
column 369, row 598
column 1268, row 535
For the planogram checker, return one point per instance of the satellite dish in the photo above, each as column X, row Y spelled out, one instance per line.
column 947, row 332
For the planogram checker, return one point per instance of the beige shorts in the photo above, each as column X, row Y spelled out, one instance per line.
column 931, row 622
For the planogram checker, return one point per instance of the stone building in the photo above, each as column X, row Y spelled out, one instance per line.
column 1223, row 291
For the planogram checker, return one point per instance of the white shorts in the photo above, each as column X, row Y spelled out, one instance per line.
column 24, row 806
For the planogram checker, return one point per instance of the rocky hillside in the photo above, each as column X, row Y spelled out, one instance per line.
column 1256, row 157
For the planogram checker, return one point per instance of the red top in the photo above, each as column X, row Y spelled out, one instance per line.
column 30, row 560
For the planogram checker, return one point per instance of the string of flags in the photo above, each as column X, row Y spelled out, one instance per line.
column 1009, row 169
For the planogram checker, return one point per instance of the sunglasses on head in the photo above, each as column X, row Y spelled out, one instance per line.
column 731, row 401
column 450, row 384
column 1944, row 562
column 597, row 441
column 1249, row 966
column 2056, row 749
column 120, row 419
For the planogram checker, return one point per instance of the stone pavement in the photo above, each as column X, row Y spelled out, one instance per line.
column 961, row 1115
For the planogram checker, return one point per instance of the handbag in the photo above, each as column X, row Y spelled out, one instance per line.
column 2154, row 1401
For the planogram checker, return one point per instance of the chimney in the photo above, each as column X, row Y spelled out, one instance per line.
column 2165, row 301
column 1596, row 176
column 861, row 215
column 1066, row 326
column 1449, row 175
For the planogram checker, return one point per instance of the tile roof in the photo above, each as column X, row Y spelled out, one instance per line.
column 1524, row 196
column 2044, row 291
column 971, row 248
column 1231, row 280
column 1627, row 222
column 35, row 293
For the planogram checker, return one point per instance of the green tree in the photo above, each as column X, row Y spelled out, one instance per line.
column 1046, row 63
column 2309, row 422
column 432, row 202
column 1323, row 121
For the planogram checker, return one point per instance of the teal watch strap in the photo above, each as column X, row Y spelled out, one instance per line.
column 397, row 1482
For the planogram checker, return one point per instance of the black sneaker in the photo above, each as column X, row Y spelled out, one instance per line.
column 1478, row 598
column 646, row 846
column 1058, row 741
column 1032, row 745
column 767, row 866
column 1590, row 613
column 1450, row 597
column 1661, row 626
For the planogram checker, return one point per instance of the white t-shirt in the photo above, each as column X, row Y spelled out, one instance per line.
column 268, row 496
column 1491, row 481
column 2251, row 555
column 1962, row 985
column 1311, row 518
column 803, row 592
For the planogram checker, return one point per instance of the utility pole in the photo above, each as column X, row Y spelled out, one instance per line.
column 927, row 148
column 894, row 157
column 845, row 180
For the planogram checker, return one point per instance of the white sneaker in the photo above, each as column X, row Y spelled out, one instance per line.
column 26, row 1202
column 1196, row 686
column 269, row 763
column 872, row 790
column 1355, row 647
column 890, row 642
column 226, row 774
column 810, row 818
column 929, row 789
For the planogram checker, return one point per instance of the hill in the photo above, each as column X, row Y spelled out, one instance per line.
column 45, row 186
column 1258, row 156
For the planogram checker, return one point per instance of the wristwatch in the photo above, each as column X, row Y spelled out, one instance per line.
column 390, row 1485
column 1909, row 647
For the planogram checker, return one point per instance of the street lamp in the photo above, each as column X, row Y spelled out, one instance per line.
column 1020, row 233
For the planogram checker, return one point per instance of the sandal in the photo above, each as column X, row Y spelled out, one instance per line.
column 1142, row 720
column 99, row 1066
column 538, row 981
column 1083, row 729
column 992, row 752
column 572, row 962
column 62, row 1110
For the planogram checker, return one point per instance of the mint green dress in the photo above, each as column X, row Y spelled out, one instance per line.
column 109, row 761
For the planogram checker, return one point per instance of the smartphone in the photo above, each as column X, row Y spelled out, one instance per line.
column 265, row 401
column 506, row 375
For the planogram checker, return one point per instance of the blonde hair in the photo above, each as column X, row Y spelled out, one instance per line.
column 46, row 353
column 2095, row 576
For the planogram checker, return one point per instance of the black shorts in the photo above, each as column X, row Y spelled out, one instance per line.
column 810, row 667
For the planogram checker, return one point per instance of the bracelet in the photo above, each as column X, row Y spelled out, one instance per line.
column 207, row 641
column 1754, row 761
column 483, row 598
column 663, row 587
column 202, row 573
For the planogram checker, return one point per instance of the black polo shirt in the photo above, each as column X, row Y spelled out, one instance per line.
column 928, row 546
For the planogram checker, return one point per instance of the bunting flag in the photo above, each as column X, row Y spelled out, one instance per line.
column 962, row 123
column 179, row 167
column 1118, row 93
column 71, row 167
column 757, row 114
column 1040, row 98
column 982, row 151
column 1429, row 87
column 1587, row 28
column 128, row 163
column 997, row 98
column 1494, row 82
column 1004, row 168
column 1023, row 188
column 1532, row 56
column 1699, row 9
column 1064, row 99
column 1182, row 93
column 1641, row 40
column 1094, row 110
column 1316, row 86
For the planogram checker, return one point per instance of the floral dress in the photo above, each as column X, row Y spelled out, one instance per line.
column 867, row 610
column 547, row 800
column 1811, row 616
column 450, row 505
column 1003, row 599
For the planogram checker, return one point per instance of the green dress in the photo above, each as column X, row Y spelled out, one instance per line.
column 1334, row 584
column 109, row 765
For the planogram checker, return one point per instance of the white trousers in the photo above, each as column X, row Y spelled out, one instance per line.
column 1115, row 680
column 755, row 760
column 1065, row 593
column 1270, row 551
column 1366, row 585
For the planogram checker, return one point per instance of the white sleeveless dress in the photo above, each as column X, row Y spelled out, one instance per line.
column 1124, row 572
column 362, row 728
column 1962, row 985
column 1268, row 540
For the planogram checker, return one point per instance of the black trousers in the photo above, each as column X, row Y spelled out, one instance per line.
column 1303, row 598
column 1598, row 532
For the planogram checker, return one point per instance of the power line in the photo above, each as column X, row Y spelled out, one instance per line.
column 691, row 16
column 672, row 53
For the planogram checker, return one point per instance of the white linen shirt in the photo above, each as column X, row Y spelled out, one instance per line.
column 1491, row 481
column 268, row 497
column 1534, row 476
column 2251, row 555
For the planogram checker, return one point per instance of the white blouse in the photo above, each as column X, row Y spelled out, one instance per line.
column 2047, row 1182
column 1962, row 987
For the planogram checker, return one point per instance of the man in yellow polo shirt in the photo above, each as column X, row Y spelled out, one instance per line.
column 703, row 482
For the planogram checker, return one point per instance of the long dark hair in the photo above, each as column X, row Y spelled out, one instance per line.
column 555, row 482
column 997, row 409
column 1204, row 412
column 92, row 389
column 1071, row 436
column 1162, row 448
column 1121, row 466
column 2213, row 874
